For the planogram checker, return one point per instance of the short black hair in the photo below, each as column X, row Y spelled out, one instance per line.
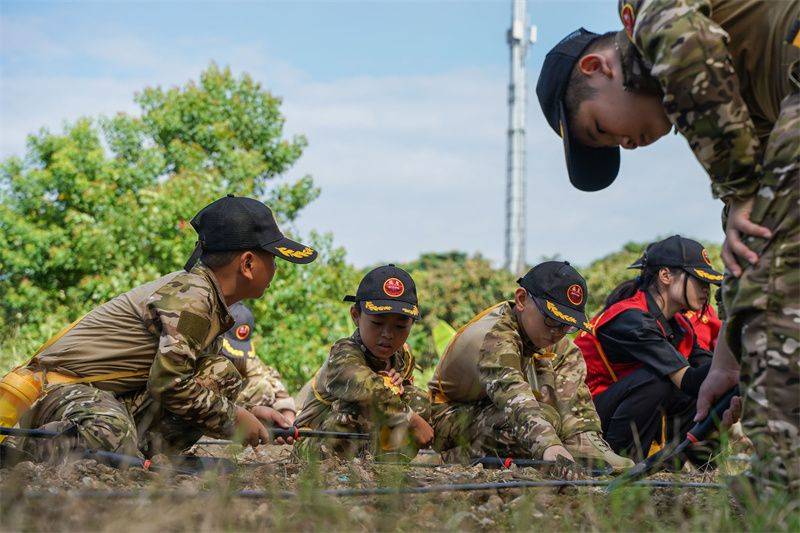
column 220, row 259
column 578, row 89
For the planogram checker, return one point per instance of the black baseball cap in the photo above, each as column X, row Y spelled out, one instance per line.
column 590, row 169
column 387, row 289
column 239, row 223
column 680, row 252
column 238, row 341
column 560, row 292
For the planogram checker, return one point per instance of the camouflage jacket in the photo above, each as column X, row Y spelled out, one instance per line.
column 349, row 382
column 154, row 336
column 720, row 64
column 492, row 357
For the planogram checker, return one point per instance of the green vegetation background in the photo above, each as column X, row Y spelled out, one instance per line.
column 103, row 206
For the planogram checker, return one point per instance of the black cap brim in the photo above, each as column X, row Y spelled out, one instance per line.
column 564, row 314
column 590, row 169
column 381, row 307
column 291, row 251
column 236, row 348
column 705, row 274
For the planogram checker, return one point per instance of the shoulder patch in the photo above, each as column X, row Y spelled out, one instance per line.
column 628, row 17
column 193, row 327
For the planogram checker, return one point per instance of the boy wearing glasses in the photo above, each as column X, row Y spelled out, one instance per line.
column 510, row 384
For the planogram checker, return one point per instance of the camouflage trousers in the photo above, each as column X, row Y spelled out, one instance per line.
column 464, row 430
column 763, row 311
column 345, row 417
column 263, row 386
column 131, row 424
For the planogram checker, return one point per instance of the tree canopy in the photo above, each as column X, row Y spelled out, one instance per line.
column 103, row 206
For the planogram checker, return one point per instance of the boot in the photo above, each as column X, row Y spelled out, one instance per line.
column 590, row 446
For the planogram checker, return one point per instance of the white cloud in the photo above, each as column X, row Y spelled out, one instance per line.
column 406, row 163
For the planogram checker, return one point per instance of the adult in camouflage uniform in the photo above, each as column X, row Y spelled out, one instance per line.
column 725, row 74
column 511, row 384
column 262, row 384
column 142, row 373
column 366, row 385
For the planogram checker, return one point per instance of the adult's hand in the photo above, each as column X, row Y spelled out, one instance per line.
column 738, row 225
column 272, row 417
column 722, row 376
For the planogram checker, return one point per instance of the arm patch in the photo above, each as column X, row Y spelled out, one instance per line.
column 194, row 327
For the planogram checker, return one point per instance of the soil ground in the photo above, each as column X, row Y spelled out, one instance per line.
column 85, row 495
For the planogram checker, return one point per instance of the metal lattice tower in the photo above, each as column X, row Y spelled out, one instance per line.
column 519, row 37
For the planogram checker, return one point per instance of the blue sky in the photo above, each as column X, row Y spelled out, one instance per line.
column 403, row 104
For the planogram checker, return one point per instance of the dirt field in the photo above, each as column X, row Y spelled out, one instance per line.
column 84, row 495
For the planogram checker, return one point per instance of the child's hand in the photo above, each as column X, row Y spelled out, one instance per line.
column 395, row 378
column 289, row 415
column 250, row 428
column 420, row 430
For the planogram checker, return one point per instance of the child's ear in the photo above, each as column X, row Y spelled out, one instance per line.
column 592, row 64
column 355, row 313
column 520, row 297
column 246, row 261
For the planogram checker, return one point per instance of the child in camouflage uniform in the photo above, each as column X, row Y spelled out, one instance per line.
column 366, row 384
column 142, row 373
column 261, row 384
column 511, row 384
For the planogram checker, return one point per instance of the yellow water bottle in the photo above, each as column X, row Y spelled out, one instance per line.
column 18, row 390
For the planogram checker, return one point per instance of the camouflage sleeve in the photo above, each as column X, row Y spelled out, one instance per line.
column 689, row 56
column 183, row 320
column 349, row 378
column 417, row 399
column 263, row 386
column 507, row 388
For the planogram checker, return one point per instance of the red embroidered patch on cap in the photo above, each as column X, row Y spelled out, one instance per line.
column 393, row 287
column 628, row 19
column 242, row 332
column 575, row 294
column 704, row 253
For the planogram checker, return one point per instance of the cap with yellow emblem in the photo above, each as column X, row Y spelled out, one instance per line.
column 239, row 223
column 238, row 341
column 680, row 252
column 387, row 289
column 559, row 292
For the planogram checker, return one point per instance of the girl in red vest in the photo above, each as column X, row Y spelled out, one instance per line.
column 642, row 358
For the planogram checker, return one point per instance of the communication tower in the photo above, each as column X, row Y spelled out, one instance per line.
column 520, row 35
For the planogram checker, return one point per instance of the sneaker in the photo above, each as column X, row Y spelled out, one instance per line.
column 591, row 446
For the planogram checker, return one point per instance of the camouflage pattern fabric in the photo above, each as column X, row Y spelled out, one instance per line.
column 133, row 424
column 535, row 398
column 263, row 386
column 189, row 318
column 348, row 394
column 687, row 53
column 763, row 307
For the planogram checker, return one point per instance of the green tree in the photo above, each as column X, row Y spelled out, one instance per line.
column 101, row 207
column 452, row 287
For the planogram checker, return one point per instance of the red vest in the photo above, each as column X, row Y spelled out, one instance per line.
column 600, row 371
column 706, row 327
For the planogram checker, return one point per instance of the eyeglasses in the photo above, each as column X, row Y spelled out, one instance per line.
column 554, row 325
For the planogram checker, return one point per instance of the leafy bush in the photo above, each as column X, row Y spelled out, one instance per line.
column 103, row 206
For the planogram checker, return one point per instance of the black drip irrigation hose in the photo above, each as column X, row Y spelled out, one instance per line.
column 257, row 494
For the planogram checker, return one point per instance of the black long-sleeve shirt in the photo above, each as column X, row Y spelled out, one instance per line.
column 634, row 335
